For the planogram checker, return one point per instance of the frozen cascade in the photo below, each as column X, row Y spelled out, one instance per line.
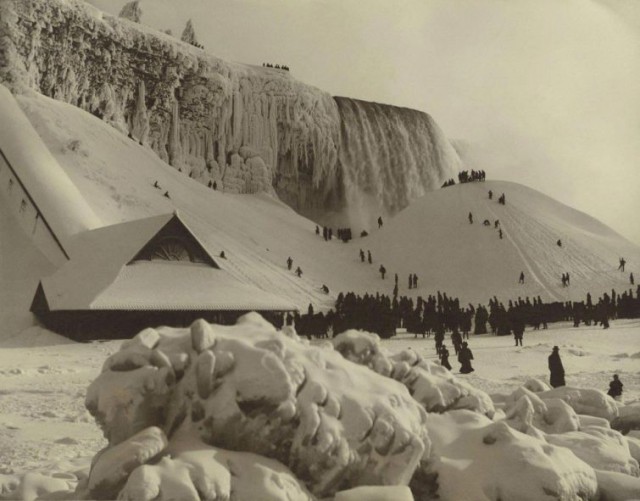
column 250, row 129
column 389, row 156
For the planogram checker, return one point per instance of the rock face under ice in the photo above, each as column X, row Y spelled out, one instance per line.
column 250, row 129
column 251, row 388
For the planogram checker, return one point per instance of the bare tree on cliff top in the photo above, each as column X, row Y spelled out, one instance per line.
column 132, row 11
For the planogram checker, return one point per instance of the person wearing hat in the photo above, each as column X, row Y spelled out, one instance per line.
column 465, row 357
column 615, row 387
column 556, row 368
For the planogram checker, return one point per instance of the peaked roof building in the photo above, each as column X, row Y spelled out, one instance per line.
column 152, row 271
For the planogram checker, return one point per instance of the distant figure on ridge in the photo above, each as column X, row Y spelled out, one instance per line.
column 410, row 280
column 559, row 243
column 490, row 195
column 166, row 194
column 298, row 272
column 369, row 257
column 556, row 369
column 502, row 199
column 496, row 224
column 380, row 222
column 382, row 271
column 317, row 230
column 289, row 262
column 415, row 281
column 465, row 357
column 223, row 255
column 215, row 186
column 325, row 289
column 500, row 233
column 444, row 357
column 470, row 218
column 361, row 255
column 631, row 279
column 615, row 387
column 622, row 263
column 156, row 185
column 521, row 279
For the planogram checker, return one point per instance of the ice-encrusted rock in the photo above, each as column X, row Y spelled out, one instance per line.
column 252, row 388
column 437, row 389
column 601, row 448
column 202, row 114
column 478, row 459
column 584, row 401
column 628, row 418
column 614, row 486
column 525, row 409
column 131, row 11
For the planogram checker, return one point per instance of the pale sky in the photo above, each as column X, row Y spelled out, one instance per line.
column 546, row 92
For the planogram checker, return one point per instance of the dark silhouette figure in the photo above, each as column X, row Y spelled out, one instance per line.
column 521, row 279
column 156, row 185
column 396, row 279
column 415, row 281
column 289, row 263
column 500, row 234
column 556, row 369
column 444, row 358
column 615, row 387
column 568, row 280
column 363, row 234
column 622, row 263
column 496, row 224
column 166, row 194
column 559, row 243
column 223, row 255
column 490, row 195
column 470, row 218
column 215, row 186
column 369, row 257
column 486, row 222
column 518, row 331
column 410, row 280
column 380, row 222
column 631, row 279
column 382, row 271
column 325, row 289
column 298, row 271
column 361, row 256
column 317, row 230
column 465, row 357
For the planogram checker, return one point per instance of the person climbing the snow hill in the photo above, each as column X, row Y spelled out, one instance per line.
column 382, row 271
column 559, row 243
column 156, row 185
column 500, row 234
column 325, row 289
column 289, row 263
column 490, row 195
column 615, row 387
column 631, row 279
column 410, row 280
column 369, row 257
column 214, row 186
column 496, row 224
column 470, row 218
column 564, row 280
column 361, row 256
column 380, row 222
column 521, row 279
column 298, row 271
column 444, row 357
column 465, row 357
column 166, row 194
column 556, row 369
column 415, row 281
column 622, row 263
column 317, row 230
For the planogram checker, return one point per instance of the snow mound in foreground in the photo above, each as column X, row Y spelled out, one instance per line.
column 437, row 389
column 253, row 389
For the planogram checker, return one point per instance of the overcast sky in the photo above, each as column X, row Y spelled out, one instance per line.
column 546, row 92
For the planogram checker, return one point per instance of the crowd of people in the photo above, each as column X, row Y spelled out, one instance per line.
column 465, row 176
column 276, row 66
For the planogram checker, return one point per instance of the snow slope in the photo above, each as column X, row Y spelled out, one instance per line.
column 431, row 238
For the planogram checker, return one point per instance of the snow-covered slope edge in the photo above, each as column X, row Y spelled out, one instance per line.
column 248, row 128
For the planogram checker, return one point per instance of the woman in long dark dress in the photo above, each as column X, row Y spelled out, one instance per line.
column 556, row 368
column 465, row 357
column 444, row 357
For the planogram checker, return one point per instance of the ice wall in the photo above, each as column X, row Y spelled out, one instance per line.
column 248, row 128
column 390, row 156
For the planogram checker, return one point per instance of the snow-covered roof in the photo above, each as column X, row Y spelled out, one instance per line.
column 104, row 274
column 177, row 285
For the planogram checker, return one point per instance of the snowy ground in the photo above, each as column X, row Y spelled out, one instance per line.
column 43, row 380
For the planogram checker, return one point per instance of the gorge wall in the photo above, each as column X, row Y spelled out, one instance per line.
column 248, row 128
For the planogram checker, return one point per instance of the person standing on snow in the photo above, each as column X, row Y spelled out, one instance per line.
column 444, row 357
column 382, row 271
column 289, row 263
column 556, row 369
column 615, row 387
column 380, row 222
column 521, row 279
column 465, row 357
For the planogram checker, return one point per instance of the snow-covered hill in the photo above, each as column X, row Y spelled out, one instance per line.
column 431, row 238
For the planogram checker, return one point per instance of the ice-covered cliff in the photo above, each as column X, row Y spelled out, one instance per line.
column 248, row 128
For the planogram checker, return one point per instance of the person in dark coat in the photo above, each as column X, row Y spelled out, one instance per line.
column 298, row 271
column 361, row 256
column 456, row 339
column 615, row 387
column 380, row 222
column 556, row 369
column 444, row 357
column 369, row 257
column 465, row 357
column 631, row 279
column 470, row 218
column 289, row 262
column 382, row 271
column 521, row 279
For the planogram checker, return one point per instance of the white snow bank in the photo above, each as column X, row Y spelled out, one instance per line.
column 251, row 388
column 432, row 385
column 614, row 486
column 483, row 460
column 524, row 409
column 367, row 493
